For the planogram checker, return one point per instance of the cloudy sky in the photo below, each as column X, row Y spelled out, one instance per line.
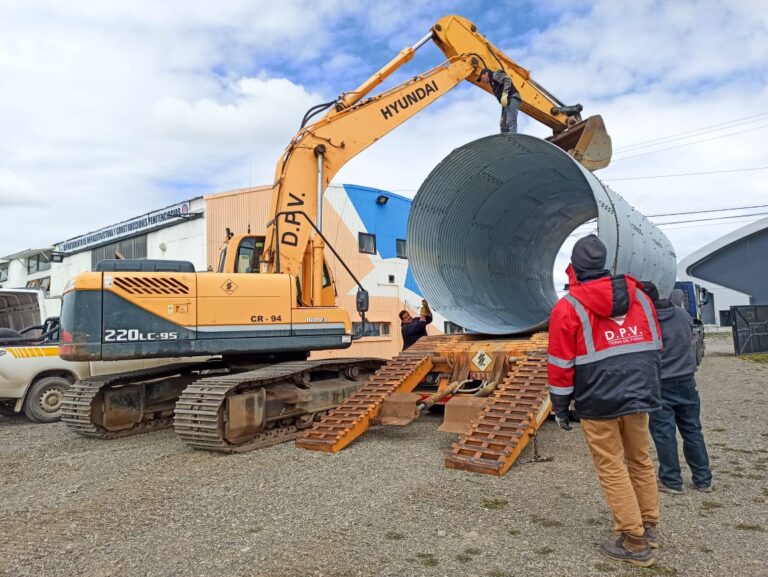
column 112, row 109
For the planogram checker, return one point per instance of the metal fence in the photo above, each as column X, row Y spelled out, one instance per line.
column 750, row 329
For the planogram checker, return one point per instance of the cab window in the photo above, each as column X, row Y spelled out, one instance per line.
column 248, row 254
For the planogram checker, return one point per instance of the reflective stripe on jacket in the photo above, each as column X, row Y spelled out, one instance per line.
column 604, row 348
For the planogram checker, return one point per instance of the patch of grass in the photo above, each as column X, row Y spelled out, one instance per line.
column 594, row 522
column 756, row 358
column 718, row 444
column 497, row 573
column 719, row 430
column 495, row 503
column 603, row 567
column 394, row 535
column 566, row 496
column 544, row 551
column 754, row 476
column 765, row 492
column 710, row 505
column 464, row 558
column 705, row 549
column 737, row 475
column 427, row 559
column 758, row 500
column 544, row 522
column 513, row 532
column 746, row 527
column 472, row 551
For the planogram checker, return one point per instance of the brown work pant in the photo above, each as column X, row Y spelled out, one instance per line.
column 620, row 452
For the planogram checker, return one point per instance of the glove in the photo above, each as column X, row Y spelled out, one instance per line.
column 563, row 423
column 425, row 308
column 504, row 99
column 561, row 405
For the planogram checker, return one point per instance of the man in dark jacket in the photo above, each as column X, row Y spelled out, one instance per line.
column 680, row 401
column 507, row 95
column 413, row 329
column 604, row 344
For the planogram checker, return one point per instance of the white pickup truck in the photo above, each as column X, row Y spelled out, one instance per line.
column 33, row 377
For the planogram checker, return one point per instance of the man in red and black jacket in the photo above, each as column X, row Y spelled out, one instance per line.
column 604, row 353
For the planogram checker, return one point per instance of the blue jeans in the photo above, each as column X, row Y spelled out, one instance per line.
column 681, row 407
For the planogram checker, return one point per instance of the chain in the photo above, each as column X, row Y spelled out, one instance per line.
column 537, row 458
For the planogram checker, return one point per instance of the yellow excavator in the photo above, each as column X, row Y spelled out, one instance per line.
column 272, row 302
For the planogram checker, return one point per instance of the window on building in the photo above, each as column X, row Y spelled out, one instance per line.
column 371, row 329
column 452, row 328
column 38, row 263
column 130, row 248
column 366, row 242
column 400, row 246
column 43, row 283
column 3, row 273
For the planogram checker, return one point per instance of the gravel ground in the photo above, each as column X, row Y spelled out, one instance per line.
column 385, row 506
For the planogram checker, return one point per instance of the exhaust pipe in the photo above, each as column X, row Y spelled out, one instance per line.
column 486, row 225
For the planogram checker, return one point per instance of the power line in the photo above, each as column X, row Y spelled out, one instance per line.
column 704, row 129
column 731, row 222
column 713, row 218
column 690, row 143
column 707, row 211
column 688, row 174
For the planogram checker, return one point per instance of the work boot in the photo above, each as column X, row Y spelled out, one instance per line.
column 630, row 549
column 651, row 534
column 669, row 490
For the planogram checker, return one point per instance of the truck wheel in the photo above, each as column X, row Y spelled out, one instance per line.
column 43, row 401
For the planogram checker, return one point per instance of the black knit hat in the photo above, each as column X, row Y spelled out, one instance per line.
column 650, row 289
column 588, row 255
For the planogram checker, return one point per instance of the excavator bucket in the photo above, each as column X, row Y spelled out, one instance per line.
column 588, row 142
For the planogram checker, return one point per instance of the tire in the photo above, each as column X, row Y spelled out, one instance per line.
column 43, row 401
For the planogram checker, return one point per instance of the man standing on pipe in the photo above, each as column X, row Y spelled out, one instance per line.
column 604, row 351
column 506, row 94
column 413, row 329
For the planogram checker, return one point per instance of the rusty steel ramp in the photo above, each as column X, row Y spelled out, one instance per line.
column 358, row 412
column 495, row 439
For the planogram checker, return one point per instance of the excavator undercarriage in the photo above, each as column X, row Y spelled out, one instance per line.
column 213, row 406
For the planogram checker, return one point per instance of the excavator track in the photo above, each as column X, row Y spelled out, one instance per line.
column 199, row 418
column 501, row 431
column 353, row 417
column 80, row 405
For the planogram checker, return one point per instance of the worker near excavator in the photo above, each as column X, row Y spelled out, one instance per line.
column 413, row 329
column 507, row 95
column 604, row 352
column 681, row 405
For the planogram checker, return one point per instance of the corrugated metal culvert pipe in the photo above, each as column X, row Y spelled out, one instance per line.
column 487, row 223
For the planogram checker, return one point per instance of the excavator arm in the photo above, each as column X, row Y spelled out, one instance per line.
column 319, row 150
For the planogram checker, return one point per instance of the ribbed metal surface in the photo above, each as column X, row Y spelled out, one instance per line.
column 487, row 223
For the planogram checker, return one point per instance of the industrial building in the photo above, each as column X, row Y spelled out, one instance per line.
column 365, row 225
column 733, row 267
